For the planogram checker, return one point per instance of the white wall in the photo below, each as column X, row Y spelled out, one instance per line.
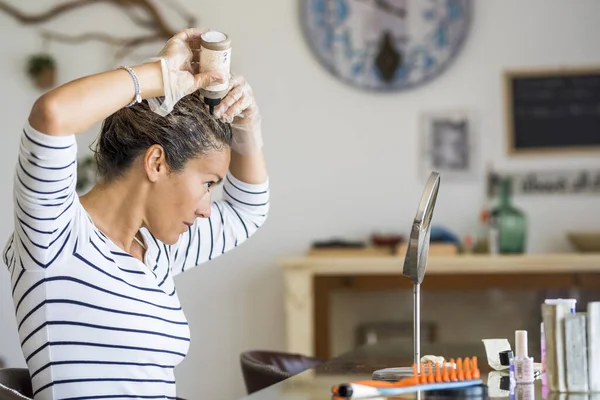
column 341, row 163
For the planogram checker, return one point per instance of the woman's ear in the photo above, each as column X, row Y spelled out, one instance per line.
column 155, row 163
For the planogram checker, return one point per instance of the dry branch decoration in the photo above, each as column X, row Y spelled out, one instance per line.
column 143, row 13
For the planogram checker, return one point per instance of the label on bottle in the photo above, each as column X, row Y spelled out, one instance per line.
column 494, row 239
column 216, row 60
column 523, row 370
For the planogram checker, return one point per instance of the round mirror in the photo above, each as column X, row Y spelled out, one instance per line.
column 418, row 244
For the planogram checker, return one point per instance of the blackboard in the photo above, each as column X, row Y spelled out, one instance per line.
column 554, row 111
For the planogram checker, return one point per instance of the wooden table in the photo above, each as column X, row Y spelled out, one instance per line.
column 315, row 384
column 310, row 280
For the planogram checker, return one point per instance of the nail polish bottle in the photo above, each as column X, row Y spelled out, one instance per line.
column 522, row 364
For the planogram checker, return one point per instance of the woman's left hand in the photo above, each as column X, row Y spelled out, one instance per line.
column 239, row 108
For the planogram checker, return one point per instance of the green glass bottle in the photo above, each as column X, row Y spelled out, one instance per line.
column 509, row 222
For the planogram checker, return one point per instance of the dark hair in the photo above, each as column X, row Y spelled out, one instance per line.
column 189, row 131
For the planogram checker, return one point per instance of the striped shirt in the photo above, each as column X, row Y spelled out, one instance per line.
column 94, row 322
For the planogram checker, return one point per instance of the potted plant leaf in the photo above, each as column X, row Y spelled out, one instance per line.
column 41, row 68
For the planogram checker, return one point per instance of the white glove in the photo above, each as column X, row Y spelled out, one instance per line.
column 239, row 108
column 178, row 77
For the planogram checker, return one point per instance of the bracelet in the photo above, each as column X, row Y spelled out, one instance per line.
column 136, row 82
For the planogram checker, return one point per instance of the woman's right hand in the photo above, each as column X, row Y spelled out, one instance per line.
column 179, row 79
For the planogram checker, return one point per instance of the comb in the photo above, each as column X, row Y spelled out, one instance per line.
column 431, row 377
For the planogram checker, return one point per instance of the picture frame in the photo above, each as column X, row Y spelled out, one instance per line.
column 447, row 143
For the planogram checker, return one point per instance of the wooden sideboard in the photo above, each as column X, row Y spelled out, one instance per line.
column 310, row 280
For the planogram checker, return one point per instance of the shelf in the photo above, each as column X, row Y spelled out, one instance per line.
column 440, row 265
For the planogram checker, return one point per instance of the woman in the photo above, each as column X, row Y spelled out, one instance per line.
column 92, row 276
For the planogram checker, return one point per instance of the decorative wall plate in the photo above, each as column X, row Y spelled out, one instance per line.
column 386, row 45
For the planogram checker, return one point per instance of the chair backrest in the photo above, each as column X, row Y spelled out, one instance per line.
column 15, row 384
column 265, row 368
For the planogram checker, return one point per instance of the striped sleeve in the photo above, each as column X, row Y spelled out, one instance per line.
column 44, row 195
column 233, row 220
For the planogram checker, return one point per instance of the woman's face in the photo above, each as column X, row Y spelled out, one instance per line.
column 176, row 199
